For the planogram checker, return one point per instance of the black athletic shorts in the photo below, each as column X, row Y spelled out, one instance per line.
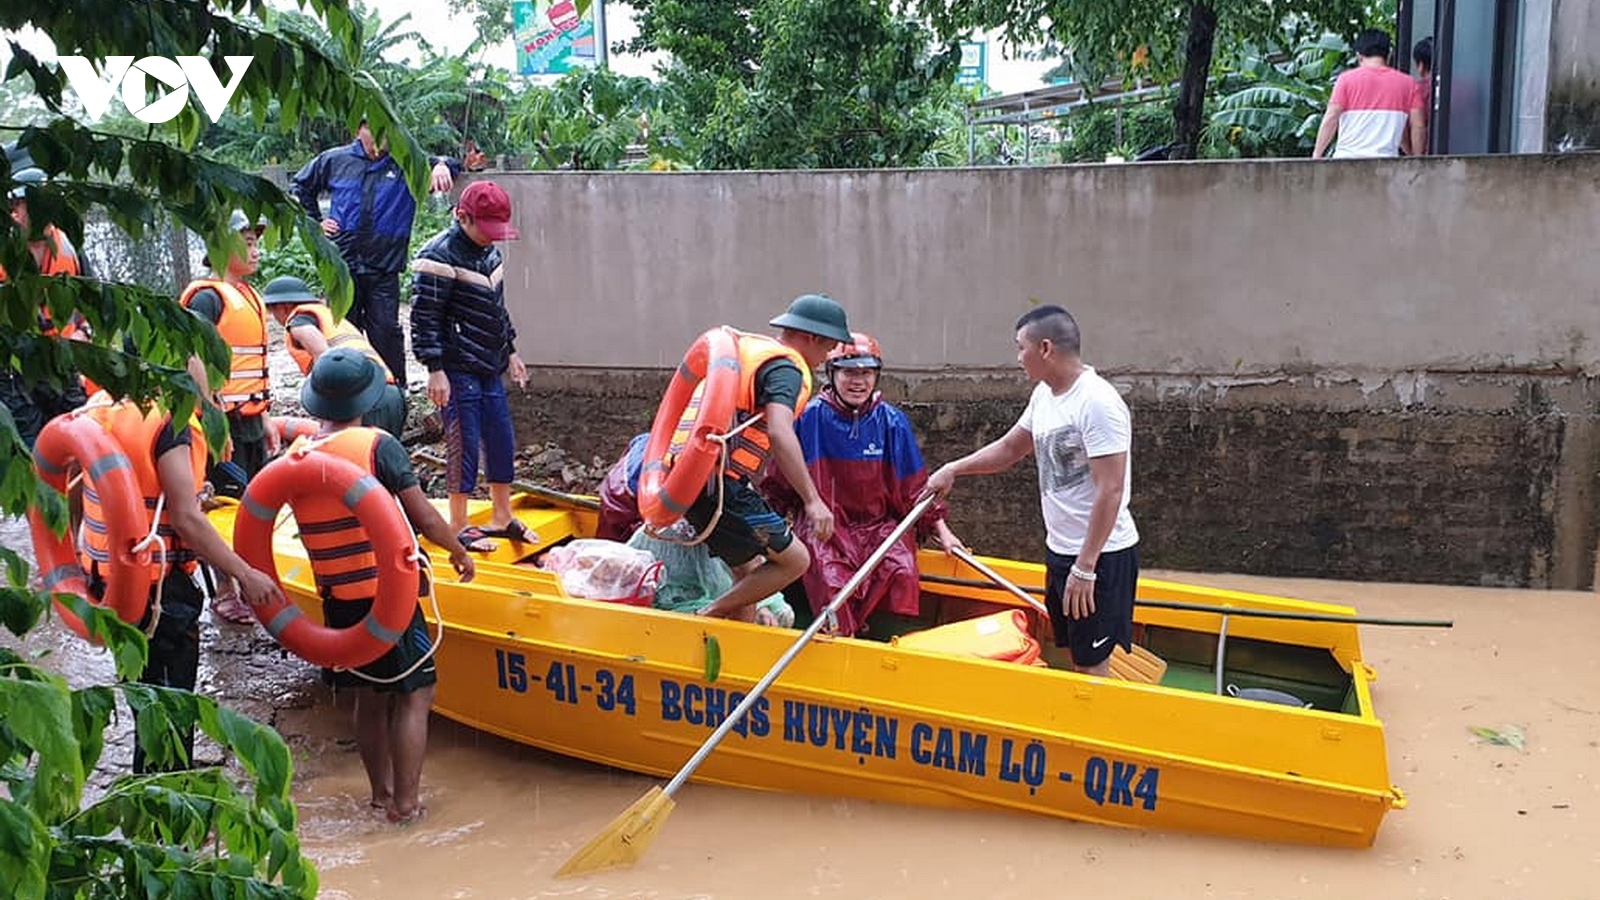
column 748, row 527
column 1091, row 640
column 412, row 646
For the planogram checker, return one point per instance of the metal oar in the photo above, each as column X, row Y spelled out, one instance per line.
column 626, row 838
column 962, row 554
column 1220, row 610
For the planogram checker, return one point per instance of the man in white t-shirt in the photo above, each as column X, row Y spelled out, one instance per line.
column 1371, row 106
column 1078, row 428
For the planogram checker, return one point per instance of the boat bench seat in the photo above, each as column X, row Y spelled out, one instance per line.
column 1139, row 665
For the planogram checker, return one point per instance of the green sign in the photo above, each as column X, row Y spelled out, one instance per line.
column 974, row 63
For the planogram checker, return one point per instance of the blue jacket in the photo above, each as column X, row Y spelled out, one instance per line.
column 369, row 199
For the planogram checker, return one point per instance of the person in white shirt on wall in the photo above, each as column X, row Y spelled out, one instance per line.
column 1079, row 429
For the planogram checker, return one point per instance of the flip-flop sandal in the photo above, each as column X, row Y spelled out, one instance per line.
column 517, row 530
column 476, row 539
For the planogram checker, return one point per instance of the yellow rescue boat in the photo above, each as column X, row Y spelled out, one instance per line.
column 631, row 687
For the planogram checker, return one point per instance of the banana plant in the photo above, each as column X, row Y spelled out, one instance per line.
column 1273, row 103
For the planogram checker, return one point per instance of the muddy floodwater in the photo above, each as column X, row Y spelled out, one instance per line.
column 1484, row 821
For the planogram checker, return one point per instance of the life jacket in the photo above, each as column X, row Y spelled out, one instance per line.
column 341, row 557
column 337, row 334
column 60, row 258
column 243, row 328
column 137, row 430
column 749, row 449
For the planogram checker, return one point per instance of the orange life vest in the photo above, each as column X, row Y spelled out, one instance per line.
column 341, row 555
column 136, row 431
column 337, row 334
column 243, row 328
column 60, row 258
column 749, row 449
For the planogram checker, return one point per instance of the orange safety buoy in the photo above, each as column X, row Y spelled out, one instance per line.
column 292, row 428
column 667, row 488
column 303, row 471
column 77, row 439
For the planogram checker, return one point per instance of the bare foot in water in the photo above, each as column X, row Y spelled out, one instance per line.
column 402, row 818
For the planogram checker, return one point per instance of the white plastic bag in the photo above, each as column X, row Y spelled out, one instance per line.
column 605, row 570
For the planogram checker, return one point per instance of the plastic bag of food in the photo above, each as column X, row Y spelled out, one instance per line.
column 605, row 570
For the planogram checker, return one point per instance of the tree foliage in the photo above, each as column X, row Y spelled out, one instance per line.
column 1161, row 40
column 443, row 99
column 760, row 84
column 1272, row 104
column 203, row 832
column 588, row 119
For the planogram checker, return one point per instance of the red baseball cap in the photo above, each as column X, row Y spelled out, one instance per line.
column 488, row 205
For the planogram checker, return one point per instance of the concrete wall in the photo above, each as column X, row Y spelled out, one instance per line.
column 1367, row 370
column 1573, row 111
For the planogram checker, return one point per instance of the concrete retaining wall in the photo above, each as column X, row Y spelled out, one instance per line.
column 1372, row 370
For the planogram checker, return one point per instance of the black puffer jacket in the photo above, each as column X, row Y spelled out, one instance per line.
column 459, row 321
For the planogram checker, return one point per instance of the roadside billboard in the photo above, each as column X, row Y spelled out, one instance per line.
column 554, row 37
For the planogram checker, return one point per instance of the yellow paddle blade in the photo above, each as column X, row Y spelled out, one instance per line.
column 623, row 841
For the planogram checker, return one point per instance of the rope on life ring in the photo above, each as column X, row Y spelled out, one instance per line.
column 666, row 492
column 303, row 472
column 76, row 440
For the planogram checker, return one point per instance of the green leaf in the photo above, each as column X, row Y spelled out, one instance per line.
column 129, row 648
column 1505, row 736
column 25, row 847
column 39, row 713
column 92, row 708
column 20, row 609
column 713, row 658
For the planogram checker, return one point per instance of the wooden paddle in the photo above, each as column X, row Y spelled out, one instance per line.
column 626, row 838
column 559, row 498
column 1226, row 610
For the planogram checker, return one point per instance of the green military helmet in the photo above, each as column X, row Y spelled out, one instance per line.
column 287, row 289
column 344, row 385
column 816, row 314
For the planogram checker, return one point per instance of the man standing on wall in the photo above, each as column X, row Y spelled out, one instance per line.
column 1078, row 427
column 1371, row 105
column 370, row 214
column 1416, row 142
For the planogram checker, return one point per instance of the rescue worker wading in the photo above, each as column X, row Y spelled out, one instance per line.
column 396, row 693
column 309, row 331
column 169, row 463
column 775, row 382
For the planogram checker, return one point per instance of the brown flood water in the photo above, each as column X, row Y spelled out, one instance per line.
column 1484, row 821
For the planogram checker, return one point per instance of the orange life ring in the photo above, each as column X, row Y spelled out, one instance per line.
column 76, row 439
column 666, row 492
column 307, row 470
column 292, row 428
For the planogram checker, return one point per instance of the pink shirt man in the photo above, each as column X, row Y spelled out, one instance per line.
column 1374, row 105
column 1371, row 105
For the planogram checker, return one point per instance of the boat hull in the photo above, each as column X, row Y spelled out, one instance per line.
column 630, row 688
